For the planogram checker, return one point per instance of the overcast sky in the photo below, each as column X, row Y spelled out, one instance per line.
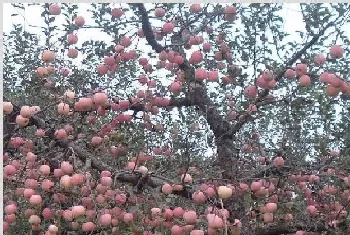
column 291, row 13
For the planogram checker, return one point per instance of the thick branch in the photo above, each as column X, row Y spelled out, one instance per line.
column 285, row 228
column 269, row 172
column 198, row 95
column 147, row 29
column 180, row 102
column 132, row 178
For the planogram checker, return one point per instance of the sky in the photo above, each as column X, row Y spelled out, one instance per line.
column 31, row 17
column 291, row 13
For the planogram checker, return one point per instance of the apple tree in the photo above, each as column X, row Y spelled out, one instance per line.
column 176, row 119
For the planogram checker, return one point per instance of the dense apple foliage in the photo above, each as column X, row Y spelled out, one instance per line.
column 188, row 119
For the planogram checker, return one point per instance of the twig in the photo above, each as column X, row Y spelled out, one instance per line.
column 224, row 215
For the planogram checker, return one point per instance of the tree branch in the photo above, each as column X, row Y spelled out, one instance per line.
column 147, row 29
column 289, row 63
column 133, row 178
column 10, row 123
column 284, row 228
column 198, row 95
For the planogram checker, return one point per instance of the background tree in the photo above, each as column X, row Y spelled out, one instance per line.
column 177, row 119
